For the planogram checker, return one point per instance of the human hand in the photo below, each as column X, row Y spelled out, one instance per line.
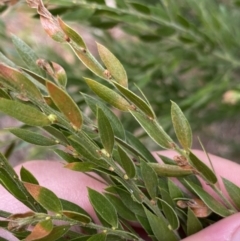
column 62, row 182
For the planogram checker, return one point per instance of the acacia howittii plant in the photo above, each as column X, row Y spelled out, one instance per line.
column 138, row 188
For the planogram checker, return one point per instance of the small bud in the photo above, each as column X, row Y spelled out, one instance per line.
column 111, row 169
column 231, row 97
column 126, row 177
column 48, row 218
column 104, row 152
column 52, row 118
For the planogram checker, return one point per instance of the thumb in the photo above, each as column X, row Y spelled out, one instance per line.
column 228, row 229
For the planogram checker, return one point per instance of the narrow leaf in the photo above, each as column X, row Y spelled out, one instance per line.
column 80, row 166
column 77, row 216
column 174, row 190
column 170, row 214
column 14, row 80
column 214, row 205
column 137, row 144
column 193, row 223
column 66, row 105
column 114, row 120
column 150, row 179
column 32, row 137
column 41, row 230
column 153, row 129
column 127, row 163
column 69, row 206
column 45, row 197
column 27, row 176
column 66, row 156
column 98, row 237
column 103, row 207
column 25, row 113
column 141, row 104
column 233, row 191
column 105, row 131
column 26, row 53
column 181, row 126
column 121, row 208
column 130, row 203
column 108, row 95
column 201, row 167
column 72, row 34
column 56, row 233
column 167, row 170
column 160, row 228
column 115, row 68
column 80, row 49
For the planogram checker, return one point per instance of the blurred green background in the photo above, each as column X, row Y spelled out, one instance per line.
column 187, row 51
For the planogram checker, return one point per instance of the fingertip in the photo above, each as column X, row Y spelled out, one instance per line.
column 228, row 229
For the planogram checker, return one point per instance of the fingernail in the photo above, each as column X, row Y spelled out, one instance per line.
column 236, row 235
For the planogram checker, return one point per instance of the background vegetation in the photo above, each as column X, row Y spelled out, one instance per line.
column 186, row 51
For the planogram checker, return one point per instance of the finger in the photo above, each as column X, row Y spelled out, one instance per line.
column 228, row 229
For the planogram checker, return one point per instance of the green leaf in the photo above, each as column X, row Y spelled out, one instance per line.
column 56, row 233
column 181, row 126
column 103, row 207
column 140, row 7
column 140, row 103
column 114, row 120
column 27, row 54
column 32, row 137
column 77, row 216
column 66, row 105
column 115, row 68
column 72, row 34
column 150, row 179
column 130, row 203
column 160, row 228
column 127, row 163
column 80, row 49
column 233, row 191
column 84, row 151
column 45, row 197
column 69, row 206
column 105, row 131
column 174, row 190
column 27, row 176
column 80, row 166
column 25, row 113
column 201, row 167
column 15, row 81
column 121, row 208
column 41, row 230
column 56, row 133
column 108, row 95
column 193, row 223
column 154, row 130
column 98, row 237
column 10, row 183
column 145, row 224
column 167, row 170
column 66, row 156
column 170, row 214
column 134, row 142
column 210, row 201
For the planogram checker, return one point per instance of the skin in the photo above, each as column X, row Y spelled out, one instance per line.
column 62, row 181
